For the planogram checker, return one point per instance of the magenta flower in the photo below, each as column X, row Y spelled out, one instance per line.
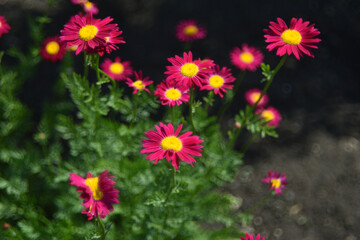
column 172, row 93
column 218, row 80
column 4, row 27
column 246, row 58
column 52, row 49
column 189, row 30
column 251, row 237
column 90, row 7
column 118, row 70
column 277, row 182
column 271, row 115
column 139, row 83
column 253, row 95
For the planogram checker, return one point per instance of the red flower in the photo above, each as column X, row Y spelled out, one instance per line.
column 98, row 193
column 52, row 49
column 246, row 58
column 4, row 27
column 90, row 7
column 172, row 93
column 139, row 83
column 165, row 143
column 277, row 182
column 218, row 80
column 271, row 115
column 189, row 30
column 118, row 70
column 251, row 237
column 252, row 95
column 297, row 39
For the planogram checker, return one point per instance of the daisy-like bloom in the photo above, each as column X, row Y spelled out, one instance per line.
column 188, row 71
column 246, row 58
column 218, row 80
column 110, row 43
column 277, row 182
column 251, row 237
column 98, row 193
column 189, row 30
column 271, row 115
column 52, row 49
column 4, row 27
column 139, row 83
column 172, row 93
column 90, row 7
column 297, row 39
column 165, row 143
column 86, row 32
column 118, row 70
column 253, row 95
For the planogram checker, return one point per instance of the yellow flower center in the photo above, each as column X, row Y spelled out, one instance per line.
column 189, row 69
column 216, row 81
column 276, row 183
column 255, row 96
column 52, row 48
column 268, row 115
column 116, row 68
column 173, row 94
column 88, row 32
column 88, row 5
column 139, row 84
column 246, row 57
column 291, row 37
column 172, row 142
column 93, row 184
column 190, row 30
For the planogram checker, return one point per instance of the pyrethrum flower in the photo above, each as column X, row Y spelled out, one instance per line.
column 271, row 115
column 4, row 27
column 299, row 38
column 188, row 71
column 246, row 58
column 90, row 7
column 189, row 30
column 98, row 193
column 277, row 182
column 118, row 70
column 165, row 143
column 139, row 83
column 52, row 49
column 172, row 93
column 251, row 237
column 218, row 80
column 253, row 95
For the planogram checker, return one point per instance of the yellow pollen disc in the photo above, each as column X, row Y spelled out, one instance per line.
column 88, row 32
column 116, row 68
column 291, row 37
column 52, row 48
column 189, row 69
column 216, row 81
column 255, row 96
column 275, row 183
column 268, row 115
column 173, row 94
column 172, row 142
column 88, row 5
column 190, row 30
column 139, row 84
column 246, row 57
column 93, row 184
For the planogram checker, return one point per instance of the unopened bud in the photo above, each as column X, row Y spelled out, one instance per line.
column 237, row 125
column 6, row 225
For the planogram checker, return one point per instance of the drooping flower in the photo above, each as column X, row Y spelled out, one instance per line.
column 188, row 71
column 139, row 83
column 246, row 58
column 251, row 237
column 189, row 30
column 218, row 80
column 4, row 27
column 118, row 70
column 299, row 38
column 172, row 93
column 271, row 115
column 52, row 49
column 253, row 95
column 90, row 7
column 277, row 182
column 98, row 193
column 165, row 143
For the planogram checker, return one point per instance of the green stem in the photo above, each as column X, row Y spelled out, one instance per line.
column 259, row 203
column 209, row 100
column 191, row 109
column 135, row 108
column 187, row 46
column 248, row 143
column 86, row 68
column 234, row 137
column 97, row 68
column 170, row 190
column 101, row 228
column 173, row 114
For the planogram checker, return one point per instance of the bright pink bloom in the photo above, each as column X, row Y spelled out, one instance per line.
column 218, row 80
column 52, row 49
column 277, row 182
column 4, row 27
column 271, row 115
column 78, row 1
column 98, row 193
column 246, row 58
column 139, row 83
column 251, row 237
column 187, row 71
column 118, row 70
column 252, row 95
column 297, row 39
column 189, row 30
column 164, row 143
column 90, row 7
column 172, row 93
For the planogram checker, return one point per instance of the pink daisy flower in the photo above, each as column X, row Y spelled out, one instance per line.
column 253, row 95
column 246, row 58
column 98, row 193
column 172, row 93
column 110, row 43
column 90, row 7
column 218, row 80
column 271, row 115
column 165, row 143
column 118, row 70
column 4, row 27
column 297, row 39
column 189, row 30
column 52, row 49
column 187, row 71
column 277, row 182
column 86, row 32
column 251, row 237
column 139, row 83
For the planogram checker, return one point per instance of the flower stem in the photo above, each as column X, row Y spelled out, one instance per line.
column 97, row 68
column 173, row 114
column 101, row 228
column 170, row 190
column 191, row 109
column 187, row 46
column 209, row 100
column 264, row 200
column 86, row 68
column 135, row 109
